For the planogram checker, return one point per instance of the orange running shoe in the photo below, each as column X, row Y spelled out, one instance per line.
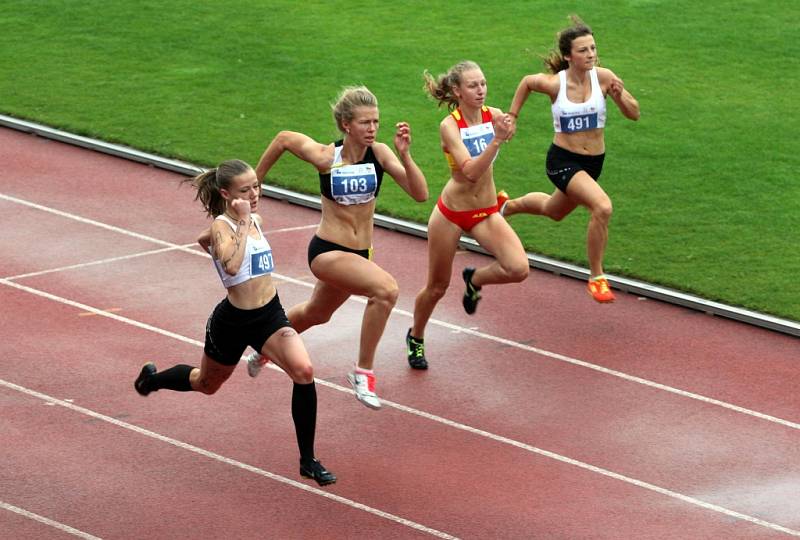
column 599, row 289
column 502, row 199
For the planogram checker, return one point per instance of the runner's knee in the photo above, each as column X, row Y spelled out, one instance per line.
column 386, row 293
column 208, row 386
column 556, row 214
column 517, row 271
column 314, row 317
column 302, row 373
column 437, row 289
column 603, row 211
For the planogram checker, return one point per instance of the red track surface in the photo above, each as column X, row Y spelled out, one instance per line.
column 545, row 415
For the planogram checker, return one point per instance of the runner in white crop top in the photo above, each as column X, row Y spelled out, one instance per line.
column 250, row 315
column 569, row 117
column 257, row 259
column 577, row 89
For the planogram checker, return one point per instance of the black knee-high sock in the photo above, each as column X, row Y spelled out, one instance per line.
column 175, row 378
column 304, row 414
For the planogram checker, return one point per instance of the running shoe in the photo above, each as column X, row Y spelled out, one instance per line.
column 142, row 382
column 502, row 199
column 471, row 292
column 364, row 386
column 255, row 362
column 314, row 469
column 416, row 352
column 599, row 289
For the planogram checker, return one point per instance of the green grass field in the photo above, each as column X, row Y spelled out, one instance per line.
column 704, row 186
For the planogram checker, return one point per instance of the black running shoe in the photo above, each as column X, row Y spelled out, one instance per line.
column 416, row 352
column 314, row 469
column 142, row 383
column 471, row 292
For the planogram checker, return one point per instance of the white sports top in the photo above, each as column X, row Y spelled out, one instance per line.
column 569, row 117
column 257, row 258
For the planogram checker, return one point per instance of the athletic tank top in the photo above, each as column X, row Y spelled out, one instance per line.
column 257, row 258
column 569, row 117
column 357, row 183
column 476, row 138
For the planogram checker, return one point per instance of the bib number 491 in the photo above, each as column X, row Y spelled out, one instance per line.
column 579, row 123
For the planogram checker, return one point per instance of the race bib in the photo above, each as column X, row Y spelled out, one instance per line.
column 261, row 263
column 477, row 138
column 571, row 124
column 354, row 184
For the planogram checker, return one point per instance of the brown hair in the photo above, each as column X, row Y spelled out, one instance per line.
column 441, row 87
column 210, row 182
column 348, row 100
column 554, row 61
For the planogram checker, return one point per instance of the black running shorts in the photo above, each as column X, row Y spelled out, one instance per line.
column 562, row 165
column 230, row 330
column 318, row 246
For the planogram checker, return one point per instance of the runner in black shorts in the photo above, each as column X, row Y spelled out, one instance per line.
column 351, row 172
column 318, row 246
column 562, row 165
column 251, row 313
column 577, row 88
column 231, row 330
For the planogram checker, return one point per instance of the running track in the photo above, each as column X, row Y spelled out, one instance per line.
column 545, row 415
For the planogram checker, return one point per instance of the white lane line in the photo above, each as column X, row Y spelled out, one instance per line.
column 291, row 229
column 100, row 261
column 228, row 461
column 55, row 524
column 461, row 329
column 183, row 248
column 88, row 221
column 410, row 410
column 615, row 373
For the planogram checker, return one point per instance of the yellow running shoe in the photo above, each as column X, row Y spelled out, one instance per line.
column 599, row 289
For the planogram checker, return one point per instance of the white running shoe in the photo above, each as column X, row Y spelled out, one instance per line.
column 364, row 386
column 254, row 363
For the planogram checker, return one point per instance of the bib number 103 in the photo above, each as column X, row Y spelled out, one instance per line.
column 354, row 185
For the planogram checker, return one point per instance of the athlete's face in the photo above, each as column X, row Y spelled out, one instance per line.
column 364, row 126
column 584, row 53
column 472, row 90
column 244, row 186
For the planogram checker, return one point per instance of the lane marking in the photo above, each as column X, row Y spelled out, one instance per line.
column 228, row 461
column 107, row 310
column 615, row 373
column 101, row 261
column 437, row 322
column 404, row 408
column 55, row 524
column 452, row 327
column 291, row 229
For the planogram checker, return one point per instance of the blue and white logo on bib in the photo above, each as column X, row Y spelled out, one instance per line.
column 354, row 184
column 477, row 138
column 261, row 263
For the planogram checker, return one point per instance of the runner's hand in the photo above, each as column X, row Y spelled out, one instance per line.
column 241, row 208
column 505, row 127
column 402, row 138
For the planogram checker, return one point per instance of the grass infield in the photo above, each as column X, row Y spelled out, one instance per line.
column 704, row 186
